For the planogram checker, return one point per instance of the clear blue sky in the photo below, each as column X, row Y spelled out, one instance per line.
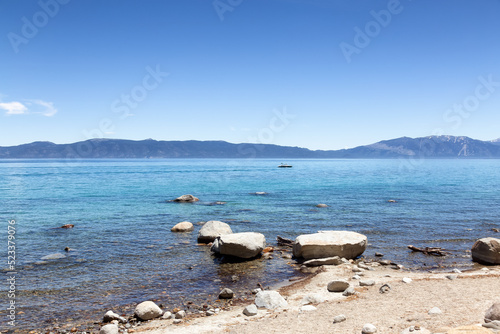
column 340, row 73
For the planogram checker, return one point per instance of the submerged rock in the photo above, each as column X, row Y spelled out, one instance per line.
column 147, row 310
column 211, row 230
column 321, row 205
column 486, row 251
column 183, row 227
column 186, row 199
column 54, row 256
column 68, row 226
column 244, row 245
column 330, row 243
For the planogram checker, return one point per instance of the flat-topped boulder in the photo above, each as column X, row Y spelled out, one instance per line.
column 323, row 244
column 486, row 251
column 186, row 199
column 211, row 230
column 244, row 245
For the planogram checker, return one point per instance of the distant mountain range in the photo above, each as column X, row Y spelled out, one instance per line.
column 425, row 147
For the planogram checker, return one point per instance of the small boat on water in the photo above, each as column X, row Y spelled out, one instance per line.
column 284, row 166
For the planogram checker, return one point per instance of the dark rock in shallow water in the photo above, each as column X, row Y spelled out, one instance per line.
column 226, row 294
column 68, row 226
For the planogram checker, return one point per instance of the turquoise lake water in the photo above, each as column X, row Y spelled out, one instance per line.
column 124, row 253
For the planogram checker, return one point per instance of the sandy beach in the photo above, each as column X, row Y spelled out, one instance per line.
column 462, row 298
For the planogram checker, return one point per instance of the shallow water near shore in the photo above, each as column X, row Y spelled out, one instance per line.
column 123, row 251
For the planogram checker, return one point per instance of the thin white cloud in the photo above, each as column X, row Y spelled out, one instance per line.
column 14, row 108
column 29, row 107
column 49, row 108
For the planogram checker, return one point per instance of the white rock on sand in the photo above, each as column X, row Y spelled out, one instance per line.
column 183, row 227
column 211, row 230
column 244, row 245
column 330, row 243
column 486, row 250
column 270, row 300
column 147, row 310
column 250, row 310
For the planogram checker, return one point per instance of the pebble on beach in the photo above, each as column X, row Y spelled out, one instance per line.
column 338, row 285
column 369, row 329
column 435, row 311
column 250, row 310
column 339, row 318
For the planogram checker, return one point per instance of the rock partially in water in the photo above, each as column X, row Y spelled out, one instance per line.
column 54, row 256
column 68, row 226
column 226, row 294
column 147, row 310
column 213, row 229
column 244, row 245
column 330, row 243
column 321, row 205
column 335, row 260
column 183, row 227
column 486, row 251
column 186, row 199
column 110, row 316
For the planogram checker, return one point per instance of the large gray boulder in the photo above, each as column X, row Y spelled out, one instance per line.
column 244, row 245
column 486, row 251
column 270, row 300
column 147, row 310
column 323, row 244
column 211, row 230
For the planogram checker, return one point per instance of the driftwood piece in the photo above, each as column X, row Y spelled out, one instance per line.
column 434, row 251
column 284, row 241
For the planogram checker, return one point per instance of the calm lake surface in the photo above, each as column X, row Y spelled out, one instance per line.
column 123, row 251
